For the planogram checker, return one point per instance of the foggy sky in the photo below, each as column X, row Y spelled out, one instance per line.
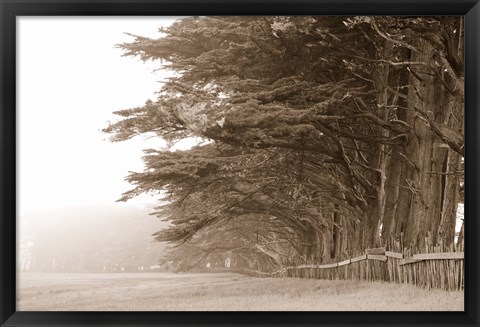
column 70, row 79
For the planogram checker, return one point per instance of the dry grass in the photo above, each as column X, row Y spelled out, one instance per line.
column 221, row 292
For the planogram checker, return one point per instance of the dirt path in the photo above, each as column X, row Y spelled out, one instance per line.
column 212, row 292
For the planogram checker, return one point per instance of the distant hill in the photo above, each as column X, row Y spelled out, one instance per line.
column 97, row 238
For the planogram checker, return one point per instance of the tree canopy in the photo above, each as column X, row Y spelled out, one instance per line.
column 326, row 135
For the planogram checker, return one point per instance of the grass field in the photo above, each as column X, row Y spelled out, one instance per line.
column 220, row 292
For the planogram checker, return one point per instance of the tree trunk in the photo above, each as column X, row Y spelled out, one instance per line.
column 426, row 186
column 337, row 236
column 446, row 229
column 379, row 158
column 392, row 189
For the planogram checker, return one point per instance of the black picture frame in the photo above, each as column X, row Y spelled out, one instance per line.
column 10, row 9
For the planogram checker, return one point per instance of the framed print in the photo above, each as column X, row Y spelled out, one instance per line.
column 239, row 163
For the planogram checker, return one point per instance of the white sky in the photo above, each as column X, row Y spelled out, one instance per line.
column 70, row 80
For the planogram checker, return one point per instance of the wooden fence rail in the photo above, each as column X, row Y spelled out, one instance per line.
column 444, row 270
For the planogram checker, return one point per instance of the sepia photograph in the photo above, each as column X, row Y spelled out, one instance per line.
column 240, row 163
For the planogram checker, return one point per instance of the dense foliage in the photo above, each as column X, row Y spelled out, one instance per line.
column 326, row 135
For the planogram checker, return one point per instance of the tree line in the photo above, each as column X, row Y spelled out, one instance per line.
column 323, row 136
column 95, row 239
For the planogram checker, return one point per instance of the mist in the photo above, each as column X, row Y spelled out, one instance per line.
column 93, row 239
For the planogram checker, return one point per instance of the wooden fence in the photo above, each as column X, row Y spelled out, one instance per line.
column 438, row 267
